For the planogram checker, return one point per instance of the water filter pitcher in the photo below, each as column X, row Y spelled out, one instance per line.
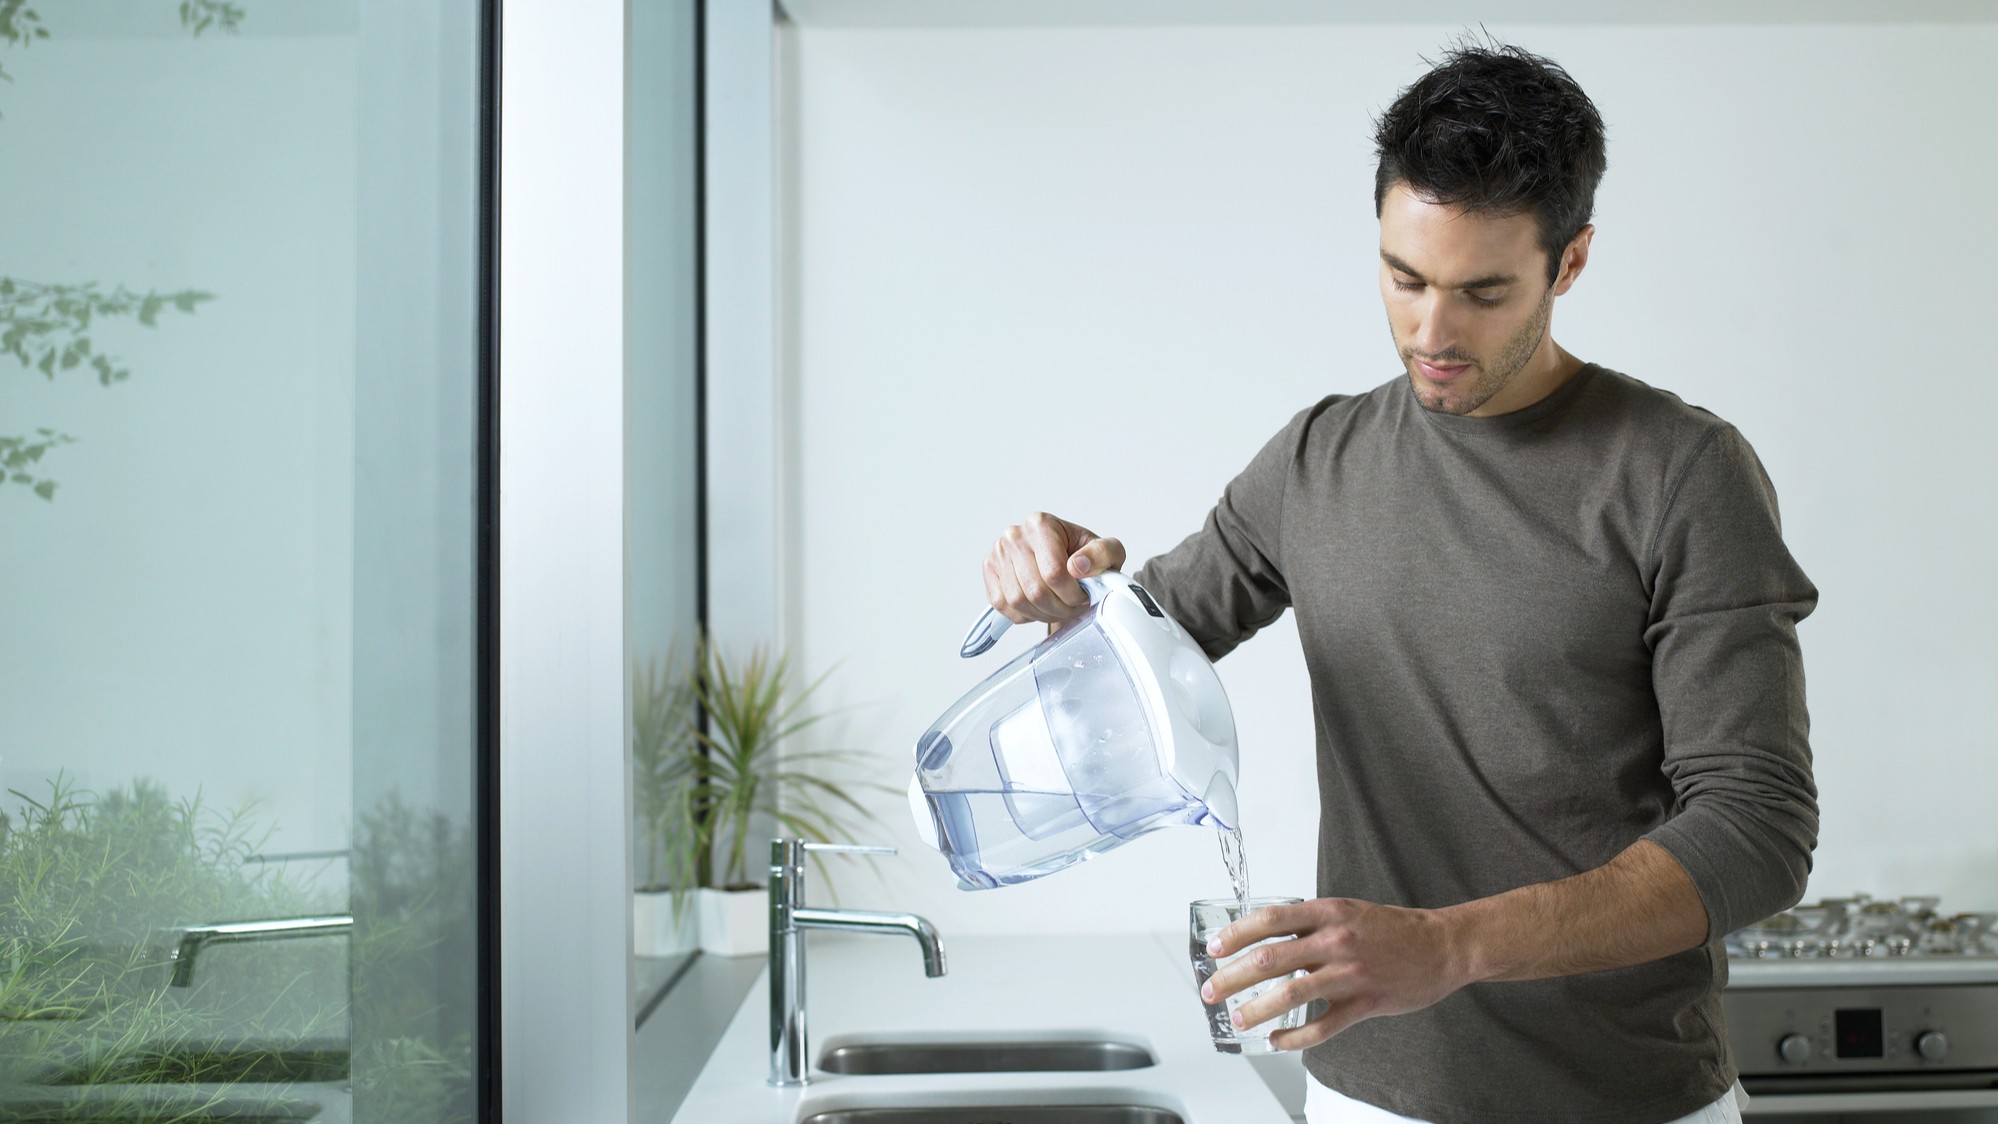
column 1111, row 727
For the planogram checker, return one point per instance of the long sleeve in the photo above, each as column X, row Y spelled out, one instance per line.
column 1729, row 678
column 1225, row 581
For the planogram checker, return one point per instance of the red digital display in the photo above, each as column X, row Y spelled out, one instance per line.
column 1859, row 1034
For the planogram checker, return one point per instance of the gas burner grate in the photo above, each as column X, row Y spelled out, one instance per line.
column 1864, row 927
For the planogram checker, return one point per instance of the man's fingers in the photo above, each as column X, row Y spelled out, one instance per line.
column 1096, row 556
column 1293, row 991
column 1360, row 958
column 1263, row 962
column 1336, row 1019
column 1048, row 538
column 1032, row 572
column 995, row 588
column 1267, row 922
column 1033, row 597
column 1002, row 586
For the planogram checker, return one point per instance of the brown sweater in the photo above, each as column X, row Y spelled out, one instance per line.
column 1532, row 640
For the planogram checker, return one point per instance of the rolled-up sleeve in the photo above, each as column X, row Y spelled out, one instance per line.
column 1729, row 677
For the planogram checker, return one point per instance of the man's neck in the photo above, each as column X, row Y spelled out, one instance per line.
column 1548, row 371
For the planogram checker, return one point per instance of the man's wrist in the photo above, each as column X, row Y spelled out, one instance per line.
column 1468, row 942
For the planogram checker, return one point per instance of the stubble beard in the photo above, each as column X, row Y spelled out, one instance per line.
column 1512, row 358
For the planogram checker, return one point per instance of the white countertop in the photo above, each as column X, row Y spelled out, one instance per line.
column 1134, row 989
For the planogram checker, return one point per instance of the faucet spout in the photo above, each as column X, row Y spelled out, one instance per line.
column 862, row 921
column 790, row 919
column 192, row 939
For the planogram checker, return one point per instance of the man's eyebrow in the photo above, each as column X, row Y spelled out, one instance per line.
column 1491, row 282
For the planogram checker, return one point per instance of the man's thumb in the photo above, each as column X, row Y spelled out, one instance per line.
column 1096, row 556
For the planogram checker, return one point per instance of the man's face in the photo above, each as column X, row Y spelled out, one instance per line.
column 1469, row 303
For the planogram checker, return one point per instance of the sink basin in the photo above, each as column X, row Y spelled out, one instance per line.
column 984, row 1057
column 1003, row 1114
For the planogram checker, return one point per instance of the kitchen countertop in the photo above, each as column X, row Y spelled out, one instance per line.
column 1133, row 989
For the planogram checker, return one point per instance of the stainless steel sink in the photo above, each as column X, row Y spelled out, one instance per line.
column 984, row 1057
column 1003, row 1114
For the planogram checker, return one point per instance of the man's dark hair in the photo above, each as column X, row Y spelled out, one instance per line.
column 1500, row 131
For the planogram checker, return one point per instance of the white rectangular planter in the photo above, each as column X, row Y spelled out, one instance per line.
column 734, row 922
column 655, row 932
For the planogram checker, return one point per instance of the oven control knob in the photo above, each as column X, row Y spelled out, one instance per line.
column 1795, row 1048
column 1932, row 1044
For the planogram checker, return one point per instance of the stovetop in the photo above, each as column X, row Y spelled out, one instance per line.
column 1858, row 995
column 1859, row 926
column 1860, row 939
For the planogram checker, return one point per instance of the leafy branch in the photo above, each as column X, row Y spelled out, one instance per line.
column 47, row 328
column 19, row 454
column 19, row 26
column 203, row 14
column 19, row 23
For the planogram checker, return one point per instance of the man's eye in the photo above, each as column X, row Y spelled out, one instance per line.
column 1488, row 301
column 1407, row 286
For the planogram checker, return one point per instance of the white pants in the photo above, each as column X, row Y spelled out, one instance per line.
column 1327, row 1106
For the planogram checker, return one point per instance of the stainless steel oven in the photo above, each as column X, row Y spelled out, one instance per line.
column 1858, row 1006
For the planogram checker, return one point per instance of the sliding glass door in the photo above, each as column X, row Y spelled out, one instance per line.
column 243, row 674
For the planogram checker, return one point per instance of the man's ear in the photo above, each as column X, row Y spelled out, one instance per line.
column 1573, row 259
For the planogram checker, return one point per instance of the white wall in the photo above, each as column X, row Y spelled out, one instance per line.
column 1092, row 269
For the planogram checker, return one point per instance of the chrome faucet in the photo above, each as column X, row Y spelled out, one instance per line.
column 194, row 938
column 789, row 918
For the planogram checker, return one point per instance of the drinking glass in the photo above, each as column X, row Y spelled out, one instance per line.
column 1207, row 917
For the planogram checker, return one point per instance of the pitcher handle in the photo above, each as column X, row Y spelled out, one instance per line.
column 992, row 624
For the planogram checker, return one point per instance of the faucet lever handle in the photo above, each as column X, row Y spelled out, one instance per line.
column 851, row 848
column 790, row 852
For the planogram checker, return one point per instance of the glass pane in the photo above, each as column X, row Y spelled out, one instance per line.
column 238, row 287
column 662, row 542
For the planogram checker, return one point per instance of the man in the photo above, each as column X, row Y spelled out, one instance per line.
column 1550, row 625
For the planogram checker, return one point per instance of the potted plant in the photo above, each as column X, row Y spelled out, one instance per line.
column 713, row 759
column 664, row 720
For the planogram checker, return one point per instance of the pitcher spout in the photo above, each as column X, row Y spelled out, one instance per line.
column 1219, row 800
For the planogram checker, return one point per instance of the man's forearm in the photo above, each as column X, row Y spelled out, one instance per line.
column 1636, row 908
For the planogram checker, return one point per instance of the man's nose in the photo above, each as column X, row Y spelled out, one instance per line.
column 1436, row 329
